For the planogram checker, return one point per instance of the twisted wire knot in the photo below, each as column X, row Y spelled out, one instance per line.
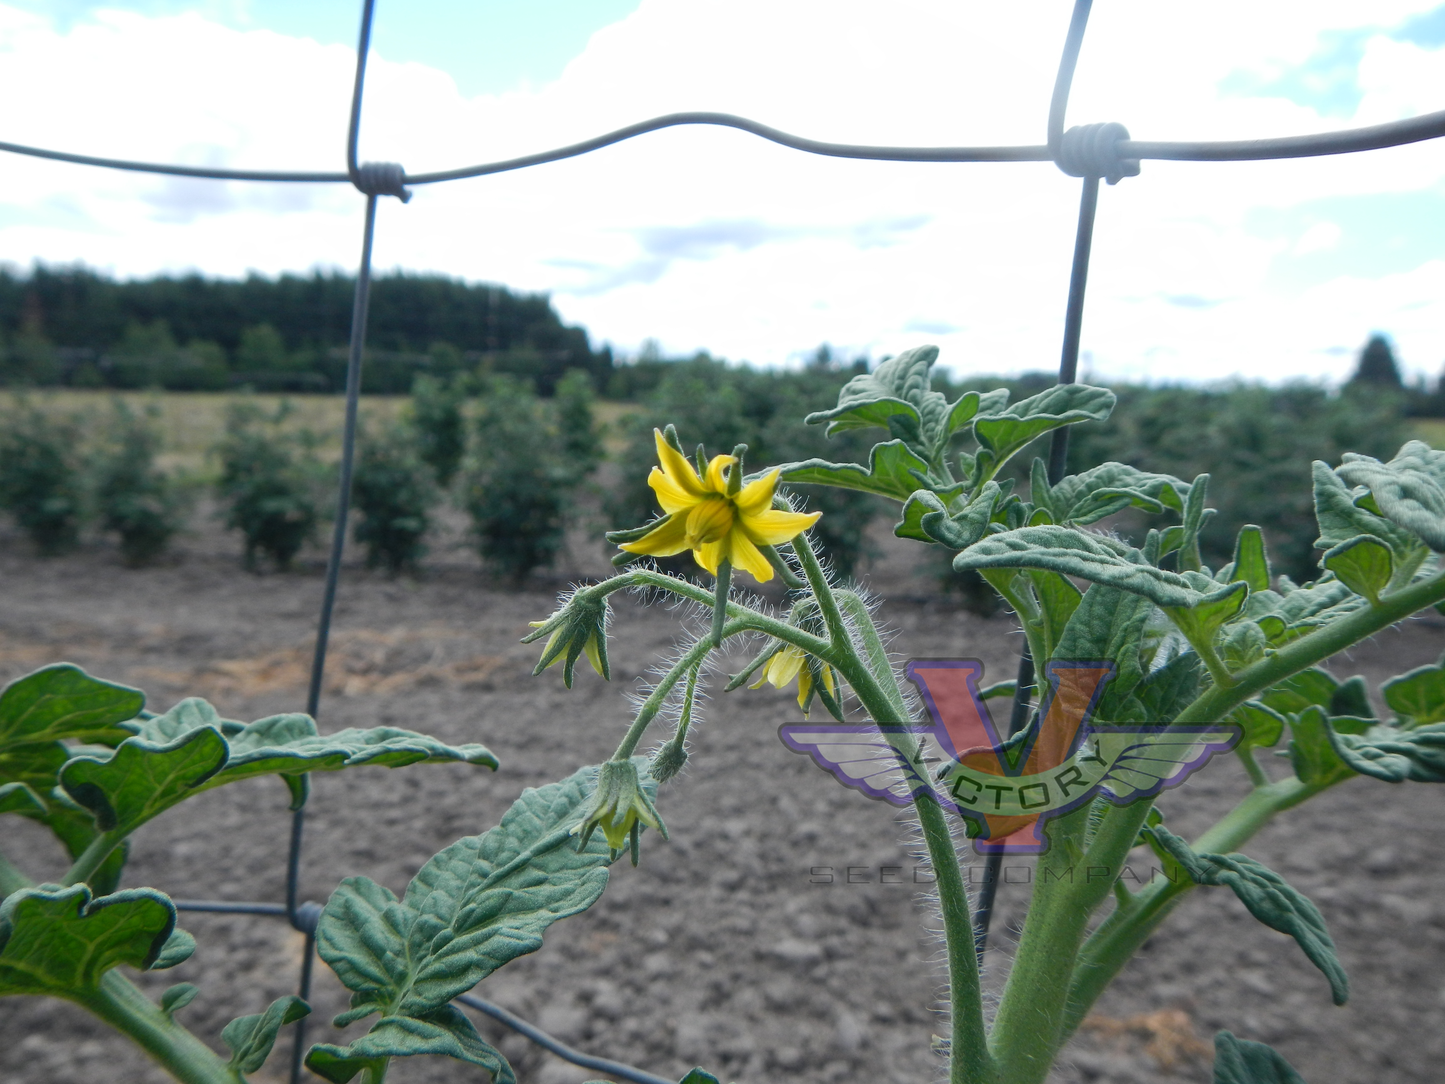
column 1092, row 150
column 381, row 179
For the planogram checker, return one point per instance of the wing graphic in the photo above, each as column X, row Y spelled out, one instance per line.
column 861, row 758
column 1142, row 762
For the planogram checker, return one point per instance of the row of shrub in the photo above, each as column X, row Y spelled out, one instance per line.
column 524, row 467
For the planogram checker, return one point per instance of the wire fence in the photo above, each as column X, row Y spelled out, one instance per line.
column 1091, row 152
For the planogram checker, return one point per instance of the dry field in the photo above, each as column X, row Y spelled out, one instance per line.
column 722, row 949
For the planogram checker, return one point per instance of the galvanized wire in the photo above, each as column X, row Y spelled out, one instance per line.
column 1092, row 152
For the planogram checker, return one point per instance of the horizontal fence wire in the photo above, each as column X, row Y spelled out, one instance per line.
column 1091, row 152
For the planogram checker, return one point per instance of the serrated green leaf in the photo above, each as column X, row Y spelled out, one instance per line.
column 1394, row 754
column 57, row 941
column 177, row 997
column 1409, row 490
column 1101, row 491
column 1417, row 696
column 1269, row 898
column 894, row 470
column 63, row 701
column 1005, row 433
column 250, row 1038
column 1311, row 748
column 1091, row 557
column 1107, row 625
column 1250, row 563
column 1242, row 1061
column 445, row 1033
column 1364, row 564
column 479, row 903
column 183, row 752
column 1262, row 725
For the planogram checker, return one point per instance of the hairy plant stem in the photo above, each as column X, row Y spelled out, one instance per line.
column 90, row 859
column 117, row 1001
column 969, row 1059
column 1055, row 978
column 11, row 879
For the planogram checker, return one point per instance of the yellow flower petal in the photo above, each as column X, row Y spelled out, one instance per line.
column 757, row 495
column 716, row 480
column 710, row 520
column 671, row 496
column 676, row 466
column 709, row 555
column 747, row 556
column 593, row 655
column 772, row 527
column 805, row 683
column 667, row 538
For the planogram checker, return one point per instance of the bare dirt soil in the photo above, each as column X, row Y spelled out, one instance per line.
column 781, row 935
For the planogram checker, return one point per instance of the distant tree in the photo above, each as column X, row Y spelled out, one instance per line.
column 1377, row 365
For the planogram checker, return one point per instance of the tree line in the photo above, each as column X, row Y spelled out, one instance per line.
column 72, row 326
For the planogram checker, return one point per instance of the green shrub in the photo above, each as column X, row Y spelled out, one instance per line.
column 41, row 481
column 441, row 430
column 574, row 401
column 133, row 497
column 518, row 481
column 393, row 491
column 268, row 482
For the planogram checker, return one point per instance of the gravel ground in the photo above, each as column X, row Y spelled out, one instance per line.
column 729, row 947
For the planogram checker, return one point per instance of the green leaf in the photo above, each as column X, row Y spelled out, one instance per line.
column 1298, row 691
column 179, row 948
column 1409, row 490
column 1250, row 563
column 63, row 701
column 1262, row 725
column 1107, row 625
column 1340, row 518
column 1289, row 615
column 1352, row 697
column 183, row 752
column 57, row 941
column 481, row 902
column 18, row 798
column 1169, row 689
column 1194, row 516
column 1003, row 434
column 1202, row 621
column 1312, row 750
column 1417, row 696
column 1269, row 898
column 926, row 518
column 1101, row 491
column 445, row 1032
column 1058, row 602
column 177, row 997
column 1243, row 643
column 894, row 470
column 1393, row 754
column 1242, row 1061
column 1364, row 564
column 250, row 1038
column 699, row 1076
column 1091, row 557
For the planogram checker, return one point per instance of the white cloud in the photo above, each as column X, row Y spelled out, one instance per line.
column 706, row 238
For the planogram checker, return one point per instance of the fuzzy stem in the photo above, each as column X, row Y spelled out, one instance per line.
column 822, row 591
column 116, row 1001
column 90, row 859
column 1251, row 766
column 720, row 601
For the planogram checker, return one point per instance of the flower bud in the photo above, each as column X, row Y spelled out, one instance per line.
column 619, row 806
column 578, row 628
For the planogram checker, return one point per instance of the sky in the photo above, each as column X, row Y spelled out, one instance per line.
column 710, row 239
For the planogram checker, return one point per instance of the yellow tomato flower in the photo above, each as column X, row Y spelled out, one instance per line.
column 792, row 662
column 702, row 517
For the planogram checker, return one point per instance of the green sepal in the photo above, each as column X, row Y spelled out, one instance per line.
column 1250, row 562
column 1312, row 748
column 1417, row 696
column 445, row 1032
column 63, row 701
column 632, row 534
column 1409, row 490
column 1090, row 557
column 177, row 997
column 1262, row 725
column 1081, row 499
column 250, row 1038
column 578, row 627
column 1243, row 1061
column 1001, row 435
column 894, row 470
column 59, row 941
column 476, row 905
column 1393, row 754
column 1364, row 564
column 1269, row 898
column 184, row 752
